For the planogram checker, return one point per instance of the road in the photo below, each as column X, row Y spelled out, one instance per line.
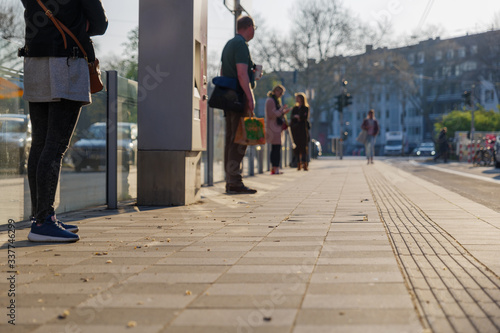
column 480, row 184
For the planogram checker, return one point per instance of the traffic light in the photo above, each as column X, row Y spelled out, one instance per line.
column 347, row 99
column 467, row 98
column 340, row 102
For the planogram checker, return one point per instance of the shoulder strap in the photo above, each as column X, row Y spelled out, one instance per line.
column 60, row 26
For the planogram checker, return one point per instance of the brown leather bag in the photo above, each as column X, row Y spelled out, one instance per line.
column 96, row 84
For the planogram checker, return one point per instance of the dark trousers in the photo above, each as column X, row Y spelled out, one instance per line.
column 233, row 152
column 275, row 155
column 53, row 125
column 301, row 153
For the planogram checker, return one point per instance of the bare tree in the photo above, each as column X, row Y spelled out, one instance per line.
column 11, row 20
column 311, row 56
column 11, row 33
column 496, row 21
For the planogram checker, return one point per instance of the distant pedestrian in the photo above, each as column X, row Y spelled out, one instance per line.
column 371, row 126
column 443, row 145
column 275, row 125
column 237, row 63
column 300, row 126
column 56, row 85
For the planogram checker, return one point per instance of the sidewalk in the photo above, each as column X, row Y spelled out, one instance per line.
column 344, row 247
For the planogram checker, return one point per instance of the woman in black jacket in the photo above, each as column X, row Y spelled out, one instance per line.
column 56, row 85
column 300, row 130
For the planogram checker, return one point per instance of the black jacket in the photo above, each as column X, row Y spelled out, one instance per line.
column 44, row 40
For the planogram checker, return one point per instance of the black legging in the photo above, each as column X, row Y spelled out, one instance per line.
column 275, row 155
column 53, row 124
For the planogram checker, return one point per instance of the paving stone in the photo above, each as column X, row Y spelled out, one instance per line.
column 237, row 318
column 72, row 327
column 299, row 256
column 278, row 289
column 247, row 302
column 356, row 317
column 356, row 301
column 358, row 328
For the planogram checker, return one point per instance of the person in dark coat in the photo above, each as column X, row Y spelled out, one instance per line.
column 444, row 148
column 300, row 130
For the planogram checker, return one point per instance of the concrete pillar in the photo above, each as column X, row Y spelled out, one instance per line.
column 172, row 102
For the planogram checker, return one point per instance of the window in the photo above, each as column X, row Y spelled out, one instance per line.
column 387, row 114
column 488, row 96
column 411, row 58
column 387, row 96
column 473, row 49
column 439, row 55
column 461, row 52
column 414, row 130
column 450, row 54
column 421, row 57
column 446, row 70
column 469, row 66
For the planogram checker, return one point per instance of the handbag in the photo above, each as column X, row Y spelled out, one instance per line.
column 96, row 84
column 251, row 132
column 362, row 136
column 225, row 95
column 282, row 121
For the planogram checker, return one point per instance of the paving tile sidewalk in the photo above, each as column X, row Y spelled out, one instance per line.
column 345, row 247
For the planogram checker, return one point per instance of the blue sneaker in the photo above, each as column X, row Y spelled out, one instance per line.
column 51, row 231
column 68, row 227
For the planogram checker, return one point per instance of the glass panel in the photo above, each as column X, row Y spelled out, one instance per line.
column 219, row 141
column 15, row 138
column 127, row 139
column 83, row 175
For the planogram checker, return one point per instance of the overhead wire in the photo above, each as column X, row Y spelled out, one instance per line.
column 425, row 14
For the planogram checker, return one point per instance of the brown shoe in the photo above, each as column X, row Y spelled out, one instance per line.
column 240, row 190
column 299, row 166
column 305, row 166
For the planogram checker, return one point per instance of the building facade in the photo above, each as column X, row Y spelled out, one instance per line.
column 410, row 88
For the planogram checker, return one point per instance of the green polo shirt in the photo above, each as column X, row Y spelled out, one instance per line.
column 236, row 52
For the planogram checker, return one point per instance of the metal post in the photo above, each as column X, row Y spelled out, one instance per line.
column 237, row 13
column 341, row 150
column 251, row 161
column 112, row 140
column 472, row 125
column 209, row 167
column 260, row 158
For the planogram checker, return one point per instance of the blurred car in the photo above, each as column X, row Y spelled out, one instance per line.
column 316, row 148
column 15, row 141
column 425, row 149
column 90, row 151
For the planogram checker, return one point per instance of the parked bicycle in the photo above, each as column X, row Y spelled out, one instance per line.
column 485, row 155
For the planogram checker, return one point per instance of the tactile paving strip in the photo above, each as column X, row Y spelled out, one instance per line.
column 453, row 291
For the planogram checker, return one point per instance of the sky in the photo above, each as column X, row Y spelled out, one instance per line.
column 457, row 17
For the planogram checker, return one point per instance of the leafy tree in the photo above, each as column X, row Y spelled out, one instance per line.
column 127, row 65
column 461, row 121
column 130, row 63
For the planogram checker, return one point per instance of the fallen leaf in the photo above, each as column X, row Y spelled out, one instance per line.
column 64, row 314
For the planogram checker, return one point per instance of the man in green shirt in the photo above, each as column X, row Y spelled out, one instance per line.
column 237, row 63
